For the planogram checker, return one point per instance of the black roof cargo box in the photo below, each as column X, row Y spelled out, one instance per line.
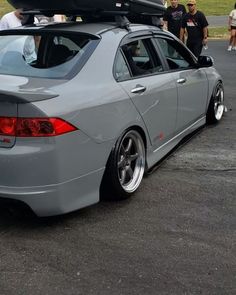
column 151, row 7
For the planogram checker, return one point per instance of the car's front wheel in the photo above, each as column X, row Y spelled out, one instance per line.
column 126, row 166
column 216, row 106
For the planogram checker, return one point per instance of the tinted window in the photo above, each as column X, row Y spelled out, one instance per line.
column 176, row 55
column 44, row 56
column 121, row 68
column 141, row 58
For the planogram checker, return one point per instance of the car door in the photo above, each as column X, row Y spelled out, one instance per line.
column 152, row 90
column 192, row 83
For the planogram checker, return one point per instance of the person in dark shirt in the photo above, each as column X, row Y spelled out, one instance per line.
column 195, row 23
column 173, row 17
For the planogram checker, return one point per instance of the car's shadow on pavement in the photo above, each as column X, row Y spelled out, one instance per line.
column 20, row 216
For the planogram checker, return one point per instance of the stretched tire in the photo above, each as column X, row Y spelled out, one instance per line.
column 216, row 106
column 125, row 168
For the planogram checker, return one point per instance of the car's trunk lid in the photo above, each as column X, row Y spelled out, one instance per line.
column 17, row 90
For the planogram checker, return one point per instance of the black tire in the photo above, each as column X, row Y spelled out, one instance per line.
column 125, row 168
column 216, row 106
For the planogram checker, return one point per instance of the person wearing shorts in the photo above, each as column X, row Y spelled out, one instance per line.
column 232, row 29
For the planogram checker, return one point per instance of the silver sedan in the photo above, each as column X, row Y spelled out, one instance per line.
column 86, row 109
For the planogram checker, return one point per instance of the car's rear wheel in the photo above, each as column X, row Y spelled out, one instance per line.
column 125, row 167
column 216, row 106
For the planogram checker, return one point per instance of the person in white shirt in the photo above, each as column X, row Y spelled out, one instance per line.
column 11, row 20
column 232, row 29
column 30, row 50
column 14, row 19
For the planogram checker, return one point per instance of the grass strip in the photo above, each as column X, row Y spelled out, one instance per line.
column 218, row 33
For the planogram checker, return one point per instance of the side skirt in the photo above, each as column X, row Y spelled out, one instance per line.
column 153, row 157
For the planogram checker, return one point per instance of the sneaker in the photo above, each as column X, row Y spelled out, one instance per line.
column 229, row 48
column 234, row 48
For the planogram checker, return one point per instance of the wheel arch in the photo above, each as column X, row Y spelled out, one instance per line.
column 133, row 127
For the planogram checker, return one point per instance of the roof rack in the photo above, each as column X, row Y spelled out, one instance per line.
column 138, row 11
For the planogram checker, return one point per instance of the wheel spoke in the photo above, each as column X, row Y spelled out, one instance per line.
column 122, row 176
column 133, row 157
column 121, row 163
column 217, row 93
column 129, row 145
column 130, row 172
column 221, row 96
column 122, row 150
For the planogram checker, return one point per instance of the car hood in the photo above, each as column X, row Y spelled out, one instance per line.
column 23, row 89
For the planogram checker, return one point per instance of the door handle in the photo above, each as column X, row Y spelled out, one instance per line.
column 138, row 89
column 181, row 81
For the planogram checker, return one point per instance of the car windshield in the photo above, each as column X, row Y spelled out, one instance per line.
column 45, row 56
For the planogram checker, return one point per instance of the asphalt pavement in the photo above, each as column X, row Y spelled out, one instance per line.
column 218, row 21
column 177, row 235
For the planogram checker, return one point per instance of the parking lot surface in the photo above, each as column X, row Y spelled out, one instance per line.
column 177, row 235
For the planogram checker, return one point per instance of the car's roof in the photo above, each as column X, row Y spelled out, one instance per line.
column 89, row 28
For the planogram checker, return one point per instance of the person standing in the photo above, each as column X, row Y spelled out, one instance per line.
column 232, row 29
column 11, row 20
column 15, row 19
column 173, row 17
column 195, row 23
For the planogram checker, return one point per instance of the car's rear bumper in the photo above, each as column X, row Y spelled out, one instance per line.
column 53, row 175
column 58, row 199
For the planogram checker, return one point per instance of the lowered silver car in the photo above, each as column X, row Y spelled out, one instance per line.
column 89, row 107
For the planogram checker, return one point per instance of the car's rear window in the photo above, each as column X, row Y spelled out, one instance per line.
column 46, row 55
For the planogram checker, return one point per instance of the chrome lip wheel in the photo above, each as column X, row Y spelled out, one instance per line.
column 131, row 161
column 219, row 103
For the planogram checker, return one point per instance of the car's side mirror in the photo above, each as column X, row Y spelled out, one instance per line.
column 205, row 61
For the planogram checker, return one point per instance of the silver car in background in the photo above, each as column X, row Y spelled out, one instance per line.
column 86, row 109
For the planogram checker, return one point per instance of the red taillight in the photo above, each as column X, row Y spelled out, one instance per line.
column 7, row 126
column 34, row 127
